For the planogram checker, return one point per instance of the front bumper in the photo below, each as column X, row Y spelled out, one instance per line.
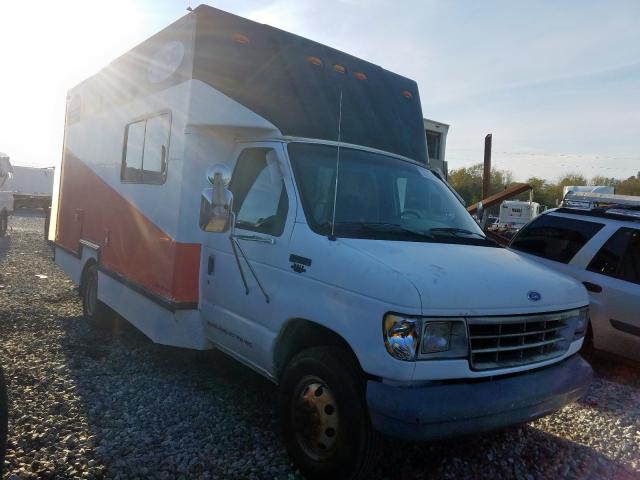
column 445, row 410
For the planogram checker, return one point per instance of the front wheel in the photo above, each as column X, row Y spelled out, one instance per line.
column 325, row 422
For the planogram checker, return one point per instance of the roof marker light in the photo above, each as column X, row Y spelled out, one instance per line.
column 360, row 76
column 339, row 68
column 240, row 38
column 315, row 61
column 407, row 94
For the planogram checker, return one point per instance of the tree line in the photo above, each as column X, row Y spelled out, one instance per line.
column 468, row 183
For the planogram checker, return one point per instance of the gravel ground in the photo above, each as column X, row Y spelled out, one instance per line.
column 114, row 405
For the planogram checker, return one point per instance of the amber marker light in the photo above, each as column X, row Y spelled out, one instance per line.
column 240, row 38
column 315, row 61
column 360, row 76
column 339, row 68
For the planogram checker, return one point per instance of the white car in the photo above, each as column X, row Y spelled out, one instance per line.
column 595, row 238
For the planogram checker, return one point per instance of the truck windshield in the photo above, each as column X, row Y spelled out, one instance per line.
column 379, row 197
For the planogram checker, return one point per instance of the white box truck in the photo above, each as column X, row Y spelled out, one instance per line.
column 226, row 184
column 515, row 214
column 587, row 189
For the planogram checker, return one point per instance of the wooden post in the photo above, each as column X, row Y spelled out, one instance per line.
column 486, row 178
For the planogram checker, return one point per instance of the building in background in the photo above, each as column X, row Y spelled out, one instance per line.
column 436, row 134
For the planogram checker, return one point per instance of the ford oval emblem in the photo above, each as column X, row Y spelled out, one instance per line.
column 534, row 296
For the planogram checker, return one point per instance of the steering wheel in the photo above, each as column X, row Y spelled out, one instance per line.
column 410, row 214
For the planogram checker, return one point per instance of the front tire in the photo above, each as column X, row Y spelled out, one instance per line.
column 326, row 426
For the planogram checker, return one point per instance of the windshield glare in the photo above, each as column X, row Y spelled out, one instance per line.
column 376, row 194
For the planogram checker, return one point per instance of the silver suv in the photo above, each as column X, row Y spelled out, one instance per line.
column 595, row 238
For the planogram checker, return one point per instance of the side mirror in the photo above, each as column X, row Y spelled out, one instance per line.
column 216, row 201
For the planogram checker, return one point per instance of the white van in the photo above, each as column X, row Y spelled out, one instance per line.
column 229, row 185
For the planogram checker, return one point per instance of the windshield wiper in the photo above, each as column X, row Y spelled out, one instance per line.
column 454, row 231
column 387, row 227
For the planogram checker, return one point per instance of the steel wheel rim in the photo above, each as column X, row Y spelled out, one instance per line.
column 91, row 295
column 314, row 415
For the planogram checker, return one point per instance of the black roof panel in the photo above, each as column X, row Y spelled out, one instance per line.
column 270, row 72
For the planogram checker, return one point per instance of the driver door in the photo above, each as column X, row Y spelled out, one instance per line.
column 239, row 314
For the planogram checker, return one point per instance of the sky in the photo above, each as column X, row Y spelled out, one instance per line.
column 556, row 83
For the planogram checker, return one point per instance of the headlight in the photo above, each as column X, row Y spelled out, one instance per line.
column 401, row 336
column 444, row 338
column 411, row 338
column 581, row 324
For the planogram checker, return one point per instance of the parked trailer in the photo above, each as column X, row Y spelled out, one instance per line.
column 227, row 184
column 32, row 187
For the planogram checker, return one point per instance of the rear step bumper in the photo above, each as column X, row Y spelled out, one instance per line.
column 456, row 409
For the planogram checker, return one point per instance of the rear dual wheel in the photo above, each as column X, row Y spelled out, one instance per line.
column 96, row 313
column 325, row 422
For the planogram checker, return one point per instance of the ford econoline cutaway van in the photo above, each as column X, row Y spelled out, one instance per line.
column 229, row 185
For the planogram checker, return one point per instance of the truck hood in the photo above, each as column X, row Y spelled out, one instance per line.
column 457, row 280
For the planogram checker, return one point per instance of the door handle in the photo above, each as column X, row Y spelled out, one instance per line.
column 211, row 265
column 592, row 287
column 255, row 238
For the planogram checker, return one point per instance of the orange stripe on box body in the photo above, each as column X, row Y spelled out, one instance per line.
column 131, row 245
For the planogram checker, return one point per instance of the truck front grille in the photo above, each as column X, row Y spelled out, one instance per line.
column 502, row 342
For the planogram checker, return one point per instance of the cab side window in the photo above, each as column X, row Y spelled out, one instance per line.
column 260, row 200
column 555, row 238
column 619, row 257
column 146, row 150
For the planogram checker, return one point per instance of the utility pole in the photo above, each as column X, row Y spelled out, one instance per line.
column 486, row 178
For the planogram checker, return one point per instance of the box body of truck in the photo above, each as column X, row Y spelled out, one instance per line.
column 514, row 214
column 307, row 272
column 199, row 85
